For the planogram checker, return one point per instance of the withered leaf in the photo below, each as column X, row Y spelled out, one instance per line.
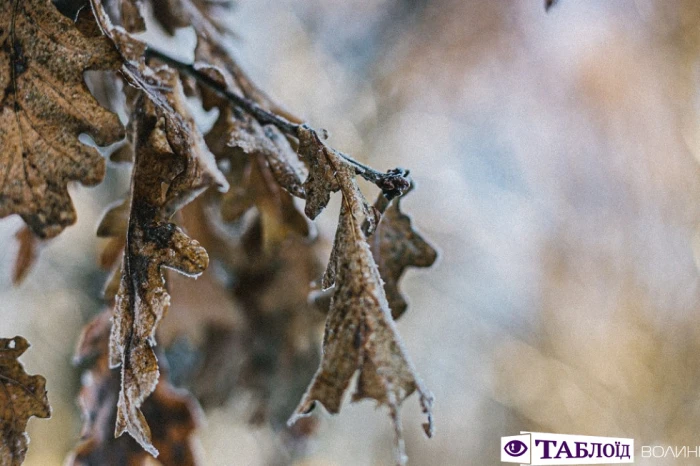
column 269, row 143
column 174, row 413
column 360, row 332
column 26, row 255
column 352, row 195
column 234, row 129
column 130, row 12
column 21, row 397
column 396, row 245
column 171, row 166
column 260, row 162
column 275, row 207
column 45, row 106
column 115, row 220
column 270, row 352
column 113, row 227
column 321, row 181
column 204, row 15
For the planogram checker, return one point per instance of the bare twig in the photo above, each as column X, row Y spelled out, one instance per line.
column 393, row 183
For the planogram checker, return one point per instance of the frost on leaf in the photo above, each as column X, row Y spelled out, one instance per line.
column 21, row 397
column 321, row 181
column 360, row 333
column 262, row 174
column 177, row 412
column 44, row 107
column 171, row 166
column 395, row 246
column 263, row 169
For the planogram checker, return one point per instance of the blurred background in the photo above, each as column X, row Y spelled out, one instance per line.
column 556, row 161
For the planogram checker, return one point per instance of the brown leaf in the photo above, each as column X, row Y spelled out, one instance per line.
column 115, row 220
column 26, row 256
column 360, row 332
column 352, row 195
column 21, row 397
column 171, row 166
column 260, row 161
column 278, row 215
column 174, row 412
column 321, row 181
column 207, row 16
column 269, row 350
column 112, row 227
column 45, row 106
column 130, row 12
column 284, row 164
column 395, row 246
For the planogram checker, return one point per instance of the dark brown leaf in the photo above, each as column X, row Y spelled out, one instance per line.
column 204, row 15
column 395, row 246
column 171, row 166
column 112, row 227
column 270, row 349
column 21, row 397
column 45, row 106
column 26, row 255
column 321, row 181
column 174, row 413
column 130, row 12
column 260, row 162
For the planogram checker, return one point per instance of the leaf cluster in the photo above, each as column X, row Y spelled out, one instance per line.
column 238, row 189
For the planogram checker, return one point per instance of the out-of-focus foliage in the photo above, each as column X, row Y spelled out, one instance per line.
column 556, row 159
column 21, row 396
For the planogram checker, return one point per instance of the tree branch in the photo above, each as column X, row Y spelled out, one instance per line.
column 393, row 183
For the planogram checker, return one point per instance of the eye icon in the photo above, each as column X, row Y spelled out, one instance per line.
column 515, row 448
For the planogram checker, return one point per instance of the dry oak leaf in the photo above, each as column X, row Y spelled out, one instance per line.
column 170, row 168
column 279, row 217
column 112, row 228
column 45, row 106
column 270, row 144
column 262, row 169
column 176, row 413
column 234, row 132
column 21, row 397
column 271, row 350
column 396, row 245
column 27, row 254
column 360, row 333
column 321, row 181
column 261, row 164
column 204, row 15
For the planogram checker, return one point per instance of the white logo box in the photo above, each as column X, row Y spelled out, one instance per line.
column 562, row 449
